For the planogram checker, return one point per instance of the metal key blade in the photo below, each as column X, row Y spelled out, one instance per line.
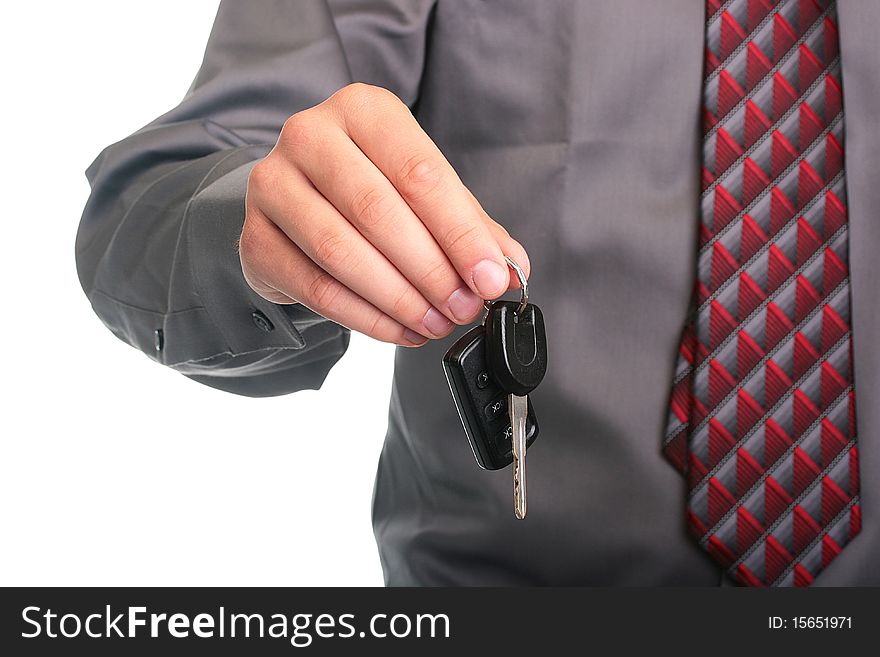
column 518, row 408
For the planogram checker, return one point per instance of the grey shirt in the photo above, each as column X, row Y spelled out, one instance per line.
column 577, row 125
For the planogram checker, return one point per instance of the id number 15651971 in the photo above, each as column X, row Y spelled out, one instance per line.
column 810, row 623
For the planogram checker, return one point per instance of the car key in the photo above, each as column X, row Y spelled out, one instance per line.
column 481, row 404
column 516, row 358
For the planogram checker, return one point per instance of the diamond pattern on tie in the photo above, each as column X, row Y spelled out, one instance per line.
column 762, row 411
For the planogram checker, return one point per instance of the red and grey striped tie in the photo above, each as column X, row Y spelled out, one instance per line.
column 762, row 415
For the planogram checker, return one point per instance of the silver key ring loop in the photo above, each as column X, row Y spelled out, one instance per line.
column 523, row 283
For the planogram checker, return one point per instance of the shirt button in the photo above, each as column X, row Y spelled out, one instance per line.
column 262, row 322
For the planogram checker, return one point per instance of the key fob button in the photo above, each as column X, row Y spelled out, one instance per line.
column 496, row 409
column 503, row 441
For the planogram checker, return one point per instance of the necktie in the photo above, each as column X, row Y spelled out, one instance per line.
column 762, row 411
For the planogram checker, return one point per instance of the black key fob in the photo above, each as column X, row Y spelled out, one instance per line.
column 516, row 346
column 481, row 403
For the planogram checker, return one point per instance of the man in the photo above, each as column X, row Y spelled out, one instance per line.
column 580, row 128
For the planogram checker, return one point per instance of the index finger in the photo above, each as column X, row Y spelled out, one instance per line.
column 388, row 134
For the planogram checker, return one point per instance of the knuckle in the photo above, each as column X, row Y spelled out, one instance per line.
column 436, row 276
column 374, row 325
column 371, row 207
column 330, row 248
column 461, row 237
column 360, row 95
column 260, row 177
column 355, row 91
column 405, row 306
column 297, row 132
column 322, row 292
column 419, row 176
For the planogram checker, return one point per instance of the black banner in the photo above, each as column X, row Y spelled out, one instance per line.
column 279, row 621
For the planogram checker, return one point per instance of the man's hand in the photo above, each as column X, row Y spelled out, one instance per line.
column 357, row 215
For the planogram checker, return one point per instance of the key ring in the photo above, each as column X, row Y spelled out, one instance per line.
column 523, row 284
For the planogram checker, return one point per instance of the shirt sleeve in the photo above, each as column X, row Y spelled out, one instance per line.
column 157, row 245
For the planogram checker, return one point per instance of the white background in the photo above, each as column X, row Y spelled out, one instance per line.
column 115, row 470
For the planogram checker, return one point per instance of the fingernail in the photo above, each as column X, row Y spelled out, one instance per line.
column 464, row 304
column 436, row 322
column 414, row 338
column 490, row 278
